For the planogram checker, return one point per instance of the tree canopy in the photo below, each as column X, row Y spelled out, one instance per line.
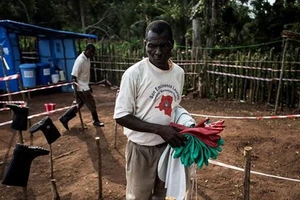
column 219, row 22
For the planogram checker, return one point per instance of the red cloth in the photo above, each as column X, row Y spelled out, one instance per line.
column 206, row 132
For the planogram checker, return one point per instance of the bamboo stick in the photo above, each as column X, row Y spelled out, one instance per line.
column 226, row 86
column 281, row 74
column 248, row 82
column 270, row 77
column 294, row 75
column 233, row 87
column 252, row 85
column 242, row 81
column 258, row 82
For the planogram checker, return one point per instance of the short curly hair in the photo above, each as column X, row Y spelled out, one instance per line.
column 159, row 26
column 89, row 46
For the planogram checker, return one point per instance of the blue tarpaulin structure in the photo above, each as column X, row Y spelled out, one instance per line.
column 56, row 45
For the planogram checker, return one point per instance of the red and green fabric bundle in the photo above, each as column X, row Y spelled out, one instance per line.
column 203, row 142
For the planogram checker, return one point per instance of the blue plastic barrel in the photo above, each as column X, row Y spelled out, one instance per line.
column 28, row 74
column 43, row 73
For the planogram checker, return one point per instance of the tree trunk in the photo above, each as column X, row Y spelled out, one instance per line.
column 82, row 15
column 213, row 19
column 196, row 23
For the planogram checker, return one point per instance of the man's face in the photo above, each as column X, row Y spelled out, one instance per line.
column 158, row 48
column 90, row 53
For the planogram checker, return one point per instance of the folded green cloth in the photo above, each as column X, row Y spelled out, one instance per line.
column 196, row 151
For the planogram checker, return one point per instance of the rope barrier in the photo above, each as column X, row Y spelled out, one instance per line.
column 10, row 102
column 257, row 118
column 36, row 89
column 248, row 67
column 121, row 63
column 50, row 112
column 253, row 78
column 111, row 70
column 22, row 103
column 239, row 76
column 236, row 47
column 40, row 114
column 11, row 77
column 253, row 172
column 4, row 109
column 115, row 63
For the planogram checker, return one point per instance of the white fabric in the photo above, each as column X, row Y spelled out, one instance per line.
column 81, row 69
column 183, row 117
column 150, row 94
column 170, row 170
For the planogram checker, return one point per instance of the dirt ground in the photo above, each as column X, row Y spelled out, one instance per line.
column 275, row 144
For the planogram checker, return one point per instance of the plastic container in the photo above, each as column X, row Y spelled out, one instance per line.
column 43, row 73
column 55, row 78
column 49, row 106
column 28, row 74
column 62, row 75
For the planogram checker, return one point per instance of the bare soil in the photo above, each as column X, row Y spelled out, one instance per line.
column 275, row 151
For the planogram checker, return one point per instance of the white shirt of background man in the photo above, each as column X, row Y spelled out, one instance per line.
column 81, row 69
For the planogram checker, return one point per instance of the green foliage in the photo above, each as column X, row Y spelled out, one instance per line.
column 226, row 23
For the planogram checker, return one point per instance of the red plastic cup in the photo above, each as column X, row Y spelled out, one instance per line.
column 49, row 106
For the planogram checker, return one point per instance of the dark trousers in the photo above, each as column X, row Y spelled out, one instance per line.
column 86, row 98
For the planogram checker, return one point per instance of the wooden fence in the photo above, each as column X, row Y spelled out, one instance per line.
column 247, row 76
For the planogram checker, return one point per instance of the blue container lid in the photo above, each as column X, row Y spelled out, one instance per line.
column 27, row 66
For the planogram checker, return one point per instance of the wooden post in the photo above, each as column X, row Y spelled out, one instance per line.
column 51, row 163
column 281, row 74
column 100, row 196
column 20, row 137
column 55, row 195
column 247, row 154
column 4, row 72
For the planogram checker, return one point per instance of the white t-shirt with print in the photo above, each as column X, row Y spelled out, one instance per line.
column 150, row 94
column 81, row 69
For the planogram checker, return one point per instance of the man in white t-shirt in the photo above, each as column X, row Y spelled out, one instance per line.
column 81, row 75
column 149, row 93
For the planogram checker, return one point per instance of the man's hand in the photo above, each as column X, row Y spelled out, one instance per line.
column 168, row 133
column 172, row 137
column 91, row 89
column 74, row 83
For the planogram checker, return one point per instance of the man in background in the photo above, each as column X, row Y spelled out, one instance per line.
column 81, row 75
